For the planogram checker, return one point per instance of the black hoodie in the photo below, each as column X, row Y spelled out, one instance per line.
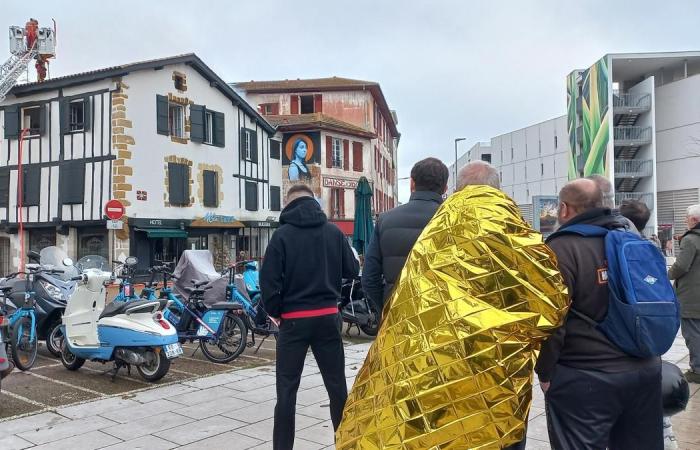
column 577, row 344
column 305, row 262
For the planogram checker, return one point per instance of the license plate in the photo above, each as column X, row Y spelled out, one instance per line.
column 173, row 350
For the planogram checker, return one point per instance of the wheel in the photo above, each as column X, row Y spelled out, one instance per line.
column 69, row 360
column 156, row 366
column 372, row 326
column 231, row 343
column 54, row 339
column 24, row 348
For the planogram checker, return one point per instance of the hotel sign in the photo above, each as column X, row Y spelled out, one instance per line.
column 343, row 183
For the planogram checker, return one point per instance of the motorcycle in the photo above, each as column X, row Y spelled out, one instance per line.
column 133, row 333
column 51, row 288
column 357, row 310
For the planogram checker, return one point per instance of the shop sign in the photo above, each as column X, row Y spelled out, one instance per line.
column 259, row 224
column 158, row 223
column 211, row 219
column 343, row 183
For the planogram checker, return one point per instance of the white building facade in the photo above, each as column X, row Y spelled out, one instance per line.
column 193, row 163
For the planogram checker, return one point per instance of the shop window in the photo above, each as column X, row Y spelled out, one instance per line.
column 197, row 243
column 208, row 127
column 92, row 241
column 275, row 198
column 211, row 185
column 251, row 196
column 31, row 119
column 41, row 238
column 307, row 104
column 31, row 185
column 178, row 184
column 176, row 120
column 71, row 183
column 337, row 153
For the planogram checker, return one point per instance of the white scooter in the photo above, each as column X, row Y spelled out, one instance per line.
column 128, row 333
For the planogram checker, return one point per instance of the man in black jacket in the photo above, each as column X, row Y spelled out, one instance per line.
column 596, row 395
column 301, row 276
column 397, row 230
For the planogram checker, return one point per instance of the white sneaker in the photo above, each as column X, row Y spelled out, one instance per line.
column 670, row 441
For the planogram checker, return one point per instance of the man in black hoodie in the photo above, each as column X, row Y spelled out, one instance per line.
column 596, row 395
column 301, row 276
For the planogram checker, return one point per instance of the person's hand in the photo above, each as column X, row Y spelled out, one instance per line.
column 545, row 386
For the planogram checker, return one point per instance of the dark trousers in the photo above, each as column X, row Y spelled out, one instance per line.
column 690, row 328
column 591, row 410
column 322, row 334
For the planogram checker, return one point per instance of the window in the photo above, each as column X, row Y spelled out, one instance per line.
column 539, row 147
column 211, row 185
column 208, row 127
column 92, row 241
column 247, row 144
column 197, row 242
column 71, row 183
column 555, row 142
column 4, row 186
column 307, row 104
column 31, row 119
column 269, row 108
column 180, row 83
column 275, row 197
column 176, row 120
column 251, row 196
column 178, row 184
column 337, row 203
column 76, row 115
column 486, row 157
column 31, row 185
column 275, row 149
column 41, row 238
column 512, row 154
column 337, row 153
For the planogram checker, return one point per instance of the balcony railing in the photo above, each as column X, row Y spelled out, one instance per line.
column 646, row 197
column 632, row 135
column 632, row 101
column 633, row 168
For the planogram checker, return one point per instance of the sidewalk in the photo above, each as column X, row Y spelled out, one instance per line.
column 235, row 410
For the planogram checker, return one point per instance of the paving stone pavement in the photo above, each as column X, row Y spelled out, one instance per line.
column 234, row 410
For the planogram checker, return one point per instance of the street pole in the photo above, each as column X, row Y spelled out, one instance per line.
column 455, row 174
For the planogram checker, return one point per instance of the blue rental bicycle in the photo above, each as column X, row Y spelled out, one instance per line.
column 126, row 270
column 217, row 327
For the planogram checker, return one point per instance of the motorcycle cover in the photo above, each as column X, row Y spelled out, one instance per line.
column 674, row 389
column 452, row 364
column 199, row 265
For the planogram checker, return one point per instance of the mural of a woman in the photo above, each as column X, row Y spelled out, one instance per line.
column 297, row 167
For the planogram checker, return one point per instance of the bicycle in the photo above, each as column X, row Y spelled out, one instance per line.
column 217, row 327
column 126, row 270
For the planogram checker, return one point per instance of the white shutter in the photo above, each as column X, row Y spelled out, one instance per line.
column 672, row 206
column 526, row 211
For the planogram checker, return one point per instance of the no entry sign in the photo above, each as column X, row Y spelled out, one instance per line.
column 114, row 210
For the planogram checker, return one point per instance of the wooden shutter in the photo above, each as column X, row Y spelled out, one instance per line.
column 71, row 183
column 275, row 149
column 64, row 116
column 253, row 146
column 318, row 103
column 178, row 184
column 210, row 188
column 329, row 152
column 357, row 156
column 31, row 181
column 346, row 154
column 294, row 104
column 12, row 122
column 197, row 123
column 275, row 198
column 43, row 119
column 242, row 142
column 251, row 196
column 219, row 127
column 87, row 114
column 161, row 115
column 4, row 187
column 275, row 108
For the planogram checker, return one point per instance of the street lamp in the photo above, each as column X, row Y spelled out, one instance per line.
column 455, row 180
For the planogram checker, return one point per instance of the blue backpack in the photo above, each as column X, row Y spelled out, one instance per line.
column 643, row 312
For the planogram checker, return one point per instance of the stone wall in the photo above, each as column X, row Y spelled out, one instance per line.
column 219, row 181
column 121, row 142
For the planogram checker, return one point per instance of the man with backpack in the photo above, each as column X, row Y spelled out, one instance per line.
column 602, row 387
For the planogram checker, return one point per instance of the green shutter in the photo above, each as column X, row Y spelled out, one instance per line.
column 275, row 146
column 219, row 129
column 254, row 146
column 4, row 187
column 71, row 183
column 162, row 115
column 210, row 188
column 31, row 185
column 43, row 119
column 12, row 122
column 176, row 188
column 87, row 114
column 275, row 197
column 241, row 143
column 197, row 123
column 64, row 113
column 251, row 196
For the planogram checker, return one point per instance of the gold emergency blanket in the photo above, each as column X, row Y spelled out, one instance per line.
column 451, row 367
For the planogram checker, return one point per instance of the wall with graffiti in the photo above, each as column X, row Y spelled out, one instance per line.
column 589, row 112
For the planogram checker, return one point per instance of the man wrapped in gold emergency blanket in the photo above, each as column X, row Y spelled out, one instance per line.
column 452, row 365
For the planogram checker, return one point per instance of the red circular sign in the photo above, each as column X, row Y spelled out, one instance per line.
column 114, row 209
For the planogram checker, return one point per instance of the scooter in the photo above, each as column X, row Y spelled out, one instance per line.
column 129, row 333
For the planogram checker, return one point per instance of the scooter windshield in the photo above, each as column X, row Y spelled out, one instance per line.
column 53, row 258
column 93, row 262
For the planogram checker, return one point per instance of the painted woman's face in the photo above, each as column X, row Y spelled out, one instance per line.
column 301, row 150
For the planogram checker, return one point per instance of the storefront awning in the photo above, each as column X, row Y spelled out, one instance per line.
column 163, row 232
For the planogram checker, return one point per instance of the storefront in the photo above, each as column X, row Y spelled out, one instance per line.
column 251, row 241
column 152, row 240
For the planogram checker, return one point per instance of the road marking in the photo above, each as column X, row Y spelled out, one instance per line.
column 184, row 372
column 27, row 400
column 121, row 377
column 63, row 383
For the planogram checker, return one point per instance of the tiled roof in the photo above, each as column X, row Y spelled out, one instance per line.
column 316, row 120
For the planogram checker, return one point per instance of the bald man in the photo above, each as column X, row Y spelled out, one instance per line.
column 597, row 396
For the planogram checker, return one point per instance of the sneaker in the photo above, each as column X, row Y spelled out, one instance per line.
column 692, row 377
column 670, row 441
column 7, row 371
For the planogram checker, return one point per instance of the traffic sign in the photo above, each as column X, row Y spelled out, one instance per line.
column 115, row 225
column 114, row 210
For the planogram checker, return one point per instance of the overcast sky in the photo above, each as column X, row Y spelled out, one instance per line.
column 472, row 69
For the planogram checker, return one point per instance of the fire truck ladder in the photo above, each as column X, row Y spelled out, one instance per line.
column 11, row 70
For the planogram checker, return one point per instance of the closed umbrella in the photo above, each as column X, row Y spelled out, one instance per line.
column 364, row 227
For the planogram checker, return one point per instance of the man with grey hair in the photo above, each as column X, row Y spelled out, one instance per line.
column 476, row 173
column 686, row 272
column 606, row 188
